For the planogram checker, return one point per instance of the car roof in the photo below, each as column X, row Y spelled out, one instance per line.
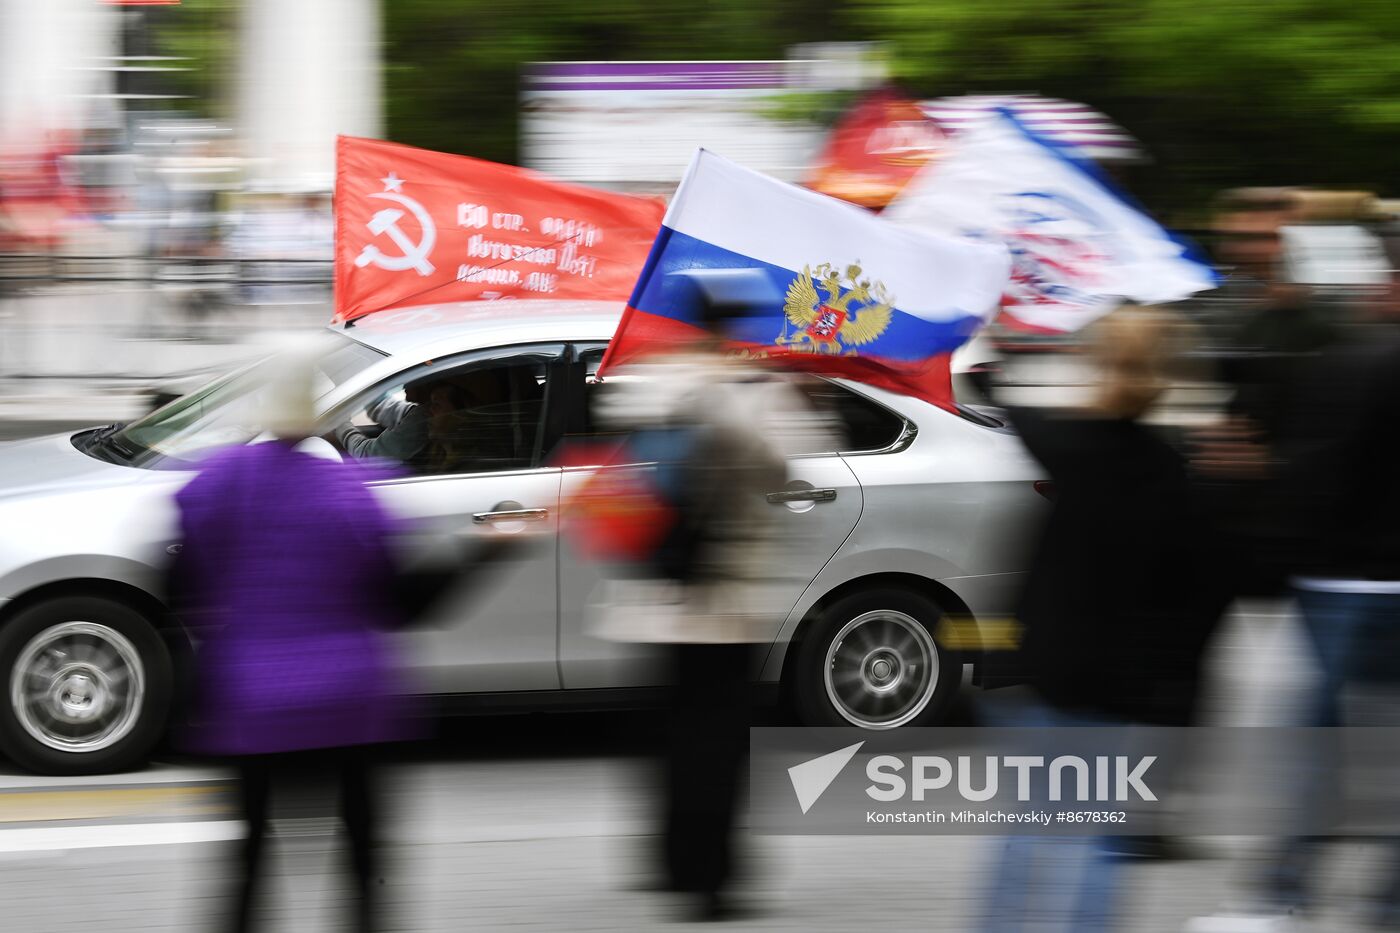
column 468, row 325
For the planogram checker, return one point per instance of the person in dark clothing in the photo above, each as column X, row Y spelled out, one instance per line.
column 1337, row 486
column 353, row 768
column 1110, row 613
column 1286, row 327
column 708, row 741
column 1338, row 461
column 1112, row 622
column 1281, row 329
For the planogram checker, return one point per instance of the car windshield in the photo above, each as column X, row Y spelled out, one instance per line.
column 225, row 412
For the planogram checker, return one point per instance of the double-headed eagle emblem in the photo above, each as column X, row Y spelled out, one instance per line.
column 844, row 319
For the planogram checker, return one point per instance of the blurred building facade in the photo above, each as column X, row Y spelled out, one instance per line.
column 634, row 125
column 55, row 60
column 304, row 71
column 307, row 70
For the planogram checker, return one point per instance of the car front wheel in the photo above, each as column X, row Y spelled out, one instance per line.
column 870, row 660
column 87, row 686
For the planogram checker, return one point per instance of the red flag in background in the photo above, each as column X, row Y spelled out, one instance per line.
column 875, row 149
column 420, row 227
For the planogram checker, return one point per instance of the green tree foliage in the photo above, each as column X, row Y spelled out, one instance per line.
column 202, row 33
column 453, row 66
column 1222, row 92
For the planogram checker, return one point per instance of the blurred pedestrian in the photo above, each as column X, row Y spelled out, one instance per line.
column 1337, row 465
column 285, row 574
column 723, row 429
column 1279, row 327
column 1113, row 628
column 1112, row 621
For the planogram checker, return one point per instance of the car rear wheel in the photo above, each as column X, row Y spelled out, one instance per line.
column 870, row 660
column 87, row 686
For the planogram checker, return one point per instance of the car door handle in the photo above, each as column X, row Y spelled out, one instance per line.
column 802, row 495
column 511, row 515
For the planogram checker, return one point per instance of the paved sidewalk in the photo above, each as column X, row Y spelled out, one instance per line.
column 545, row 823
column 92, row 354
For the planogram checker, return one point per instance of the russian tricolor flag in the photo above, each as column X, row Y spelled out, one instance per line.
column 861, row 297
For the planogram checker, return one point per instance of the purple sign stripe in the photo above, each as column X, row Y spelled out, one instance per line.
column 657, row 86
column 645, row 70
column 655, row 76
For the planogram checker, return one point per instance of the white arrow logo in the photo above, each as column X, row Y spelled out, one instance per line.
column 414, row 255
column 811, row 778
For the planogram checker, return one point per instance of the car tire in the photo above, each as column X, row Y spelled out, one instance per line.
column 870, row 660
column 87, row 685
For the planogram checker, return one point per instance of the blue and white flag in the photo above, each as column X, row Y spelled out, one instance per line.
column 1078, row 248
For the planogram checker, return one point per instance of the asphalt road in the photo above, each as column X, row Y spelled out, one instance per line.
column 546, row 822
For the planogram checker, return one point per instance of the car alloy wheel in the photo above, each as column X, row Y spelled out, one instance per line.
column 78, row 687
column 869, row 659
column 881, row 669
column 87, row 684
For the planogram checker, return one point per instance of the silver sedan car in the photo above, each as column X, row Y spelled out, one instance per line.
column 912, row 530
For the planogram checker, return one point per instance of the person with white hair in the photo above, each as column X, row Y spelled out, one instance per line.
column 285, row 574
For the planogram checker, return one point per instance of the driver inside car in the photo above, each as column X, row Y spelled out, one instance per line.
column 462, row 427
column 404, row 427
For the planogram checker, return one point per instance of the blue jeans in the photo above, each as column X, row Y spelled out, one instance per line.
column 1356, row 640
column 1065, row 884
column 1355, row 637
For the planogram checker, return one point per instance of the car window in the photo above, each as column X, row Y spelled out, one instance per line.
column 478, row 416
column 865, row 425
column 868, row 425
column 590, row 359
column 228, row 410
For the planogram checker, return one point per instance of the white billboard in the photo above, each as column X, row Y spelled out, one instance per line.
column 638, row 123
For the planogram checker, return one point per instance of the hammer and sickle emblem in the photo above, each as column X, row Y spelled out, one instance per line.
column 414, row 255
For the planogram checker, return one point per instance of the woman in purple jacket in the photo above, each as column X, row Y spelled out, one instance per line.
column 285, row 574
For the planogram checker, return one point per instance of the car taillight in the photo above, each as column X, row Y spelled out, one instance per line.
column 1045, row 488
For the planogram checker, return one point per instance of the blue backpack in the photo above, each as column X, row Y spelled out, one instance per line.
column 671, row 457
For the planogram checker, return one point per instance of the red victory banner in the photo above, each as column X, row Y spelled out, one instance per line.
column 419, row 227
column 875, row 149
